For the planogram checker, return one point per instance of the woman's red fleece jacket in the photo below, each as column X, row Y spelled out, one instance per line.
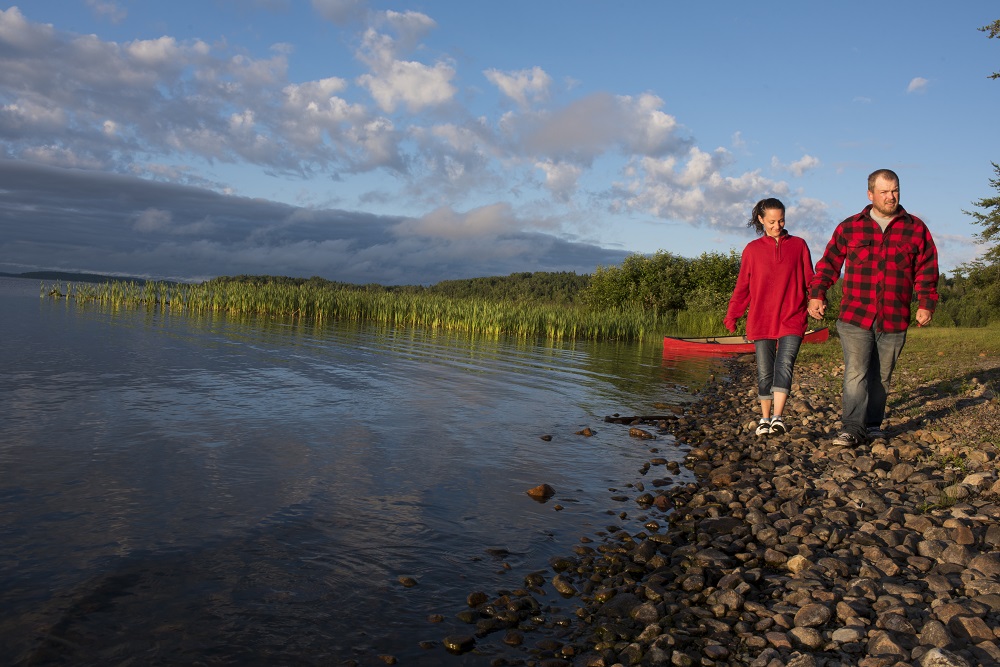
column 773, row 281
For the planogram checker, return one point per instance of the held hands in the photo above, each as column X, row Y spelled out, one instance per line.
column 817, row 308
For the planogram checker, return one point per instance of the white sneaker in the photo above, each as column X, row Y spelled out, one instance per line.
column 764, row 427
column 777, row 426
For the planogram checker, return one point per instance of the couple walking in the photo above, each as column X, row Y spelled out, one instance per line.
column 887, row 256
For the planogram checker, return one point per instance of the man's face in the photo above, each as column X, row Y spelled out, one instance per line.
column 885, row 197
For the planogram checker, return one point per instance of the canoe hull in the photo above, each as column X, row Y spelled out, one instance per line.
column 728, row 344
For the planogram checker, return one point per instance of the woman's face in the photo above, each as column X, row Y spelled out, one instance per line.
column 773, row 221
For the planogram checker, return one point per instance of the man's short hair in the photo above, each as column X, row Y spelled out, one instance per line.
column 887, row 174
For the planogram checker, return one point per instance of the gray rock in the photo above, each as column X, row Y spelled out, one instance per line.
column 812, row 616
column 932, row 548
column 934, row 633
column 897, row 623
column 848, row 634
column 809, row 638
column 564, row 586
column 645, row 613
column 712, row 558
column 938, row 657
column 883, row 643
column 971, row 628
column 988, row 563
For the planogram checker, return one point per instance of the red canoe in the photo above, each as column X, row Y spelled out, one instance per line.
column 728, row 344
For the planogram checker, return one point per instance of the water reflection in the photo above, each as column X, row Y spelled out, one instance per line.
column 186, row 488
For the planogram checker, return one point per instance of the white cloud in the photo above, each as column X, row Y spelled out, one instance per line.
column 522, row 84
column 17, row 32
column 410, row 27
column 693, row 189
column 810, row 218
column 591, row 126
column 27, row 116
column 393, row 82
column 411, row 84
column 182, row 98
column 60, row 156
column 154, row 53
column 446, row 223
column 798, row 167
column 560, row 179
column 917, row 85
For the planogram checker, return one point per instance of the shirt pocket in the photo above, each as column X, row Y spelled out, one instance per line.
column 859, row 250
column 903, row 257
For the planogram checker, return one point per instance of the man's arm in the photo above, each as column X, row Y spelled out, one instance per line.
column 827, row 272
column 925, row 277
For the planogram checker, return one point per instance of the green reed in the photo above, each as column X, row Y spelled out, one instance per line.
column 399, row 309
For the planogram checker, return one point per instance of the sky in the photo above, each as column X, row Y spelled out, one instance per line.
column 413, row 142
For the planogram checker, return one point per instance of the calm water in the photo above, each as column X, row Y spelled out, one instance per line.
column 183, row 489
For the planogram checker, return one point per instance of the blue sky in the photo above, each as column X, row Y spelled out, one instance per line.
column 413, row 142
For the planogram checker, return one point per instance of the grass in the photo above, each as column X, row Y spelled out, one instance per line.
column 930, row 352
column 955, row 461
column 944, row 502
column 478, row 317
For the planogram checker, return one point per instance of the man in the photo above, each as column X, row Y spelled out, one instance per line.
column 889, row 255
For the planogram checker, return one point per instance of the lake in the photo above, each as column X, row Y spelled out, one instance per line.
column 183, row 489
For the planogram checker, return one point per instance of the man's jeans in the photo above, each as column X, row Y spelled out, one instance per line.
column 869, row 358
column 774, row 368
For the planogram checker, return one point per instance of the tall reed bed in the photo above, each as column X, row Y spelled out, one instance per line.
column 398, row 309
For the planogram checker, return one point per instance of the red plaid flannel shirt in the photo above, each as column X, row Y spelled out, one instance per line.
column 883, row 270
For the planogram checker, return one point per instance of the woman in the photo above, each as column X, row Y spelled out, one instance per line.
column 774, row 273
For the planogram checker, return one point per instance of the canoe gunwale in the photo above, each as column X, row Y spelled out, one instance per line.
column 730, row 344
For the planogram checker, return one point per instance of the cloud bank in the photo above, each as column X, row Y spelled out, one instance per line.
column 79, row 220
column 498, row 170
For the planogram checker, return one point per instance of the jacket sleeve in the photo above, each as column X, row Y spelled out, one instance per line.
column 829, row 265
column 740, row 299
column 926, row 277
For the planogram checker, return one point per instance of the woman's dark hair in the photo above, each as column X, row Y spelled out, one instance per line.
column 758, row 210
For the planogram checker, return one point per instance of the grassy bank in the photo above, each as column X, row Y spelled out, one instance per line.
column 321, row 303
column 477, row 316
column 930, row 353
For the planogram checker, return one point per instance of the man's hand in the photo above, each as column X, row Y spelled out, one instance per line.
column 817, row 307
column 923, row 317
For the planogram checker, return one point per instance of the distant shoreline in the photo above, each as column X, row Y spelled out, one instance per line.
column 74, row 277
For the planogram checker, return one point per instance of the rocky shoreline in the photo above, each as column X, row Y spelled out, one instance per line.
column 786, row 550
